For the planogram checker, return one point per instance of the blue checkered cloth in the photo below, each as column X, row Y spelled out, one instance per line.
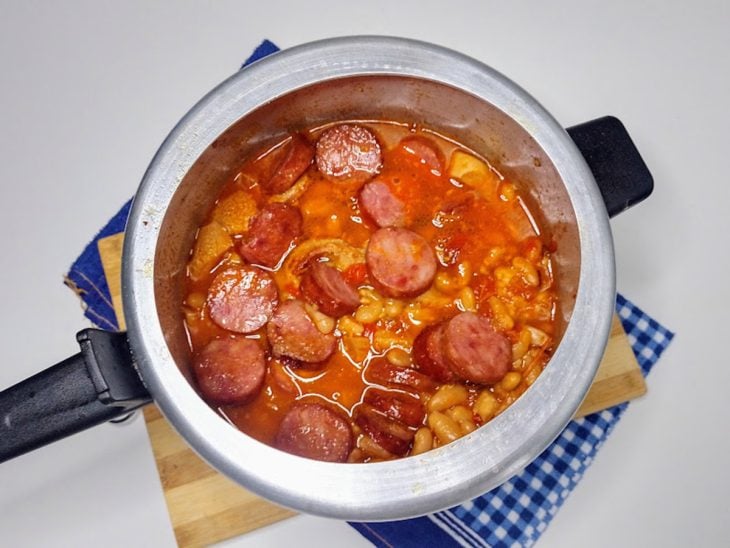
column 517, row 512
column 514, row 514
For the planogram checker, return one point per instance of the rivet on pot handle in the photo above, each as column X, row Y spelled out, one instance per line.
column 621, row 174
column 94, row 386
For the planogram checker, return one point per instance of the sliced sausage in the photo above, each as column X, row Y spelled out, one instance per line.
column 348, row 152
column 384, row 373
column 286, row 361
column 296, row 158
column 230, row 371
column 475, row 351
column 271, row 234
column 326, row 287
column 400, row 262
column 399, row 406
column 390, row 434
column 279, row 378
column 428, row 354
column 426, row 151
column 242, row 299
column 377, row 200
column 292, row 333
column 315, row 431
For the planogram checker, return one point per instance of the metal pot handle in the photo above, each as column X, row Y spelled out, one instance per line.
column 94, row 386
column 621, row 174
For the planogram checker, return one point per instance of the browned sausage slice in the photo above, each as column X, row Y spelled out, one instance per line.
column 425, row 151
column 230, row 371
column 384, row 373
column 242, row 299
column 296, row 158
column 428, row 354
column 348, row 152
column 377, row 200
column 400, row 262
column 326, row 287
column 475, row 351
column 315, row 431
column 399, row 406
column 390, row 434
column 271, row 234
column 292, row 333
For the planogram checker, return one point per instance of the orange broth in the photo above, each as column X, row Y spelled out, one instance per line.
column 488, row 250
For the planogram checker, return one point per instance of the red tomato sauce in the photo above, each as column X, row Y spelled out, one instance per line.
column 491, row 263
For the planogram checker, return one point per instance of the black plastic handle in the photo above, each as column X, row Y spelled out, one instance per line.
column 619, row 170
column 94, row 386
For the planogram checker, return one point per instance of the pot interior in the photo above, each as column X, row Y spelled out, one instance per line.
column 448, row 111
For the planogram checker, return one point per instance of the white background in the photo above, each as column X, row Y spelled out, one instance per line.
column 88, row 91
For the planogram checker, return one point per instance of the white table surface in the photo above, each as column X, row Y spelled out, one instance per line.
column 88, row 90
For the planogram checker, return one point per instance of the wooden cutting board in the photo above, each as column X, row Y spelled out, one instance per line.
column 205, row 507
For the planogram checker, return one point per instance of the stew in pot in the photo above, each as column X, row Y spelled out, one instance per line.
column 367, row 291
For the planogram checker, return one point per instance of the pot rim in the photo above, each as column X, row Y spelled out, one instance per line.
column 406, row 487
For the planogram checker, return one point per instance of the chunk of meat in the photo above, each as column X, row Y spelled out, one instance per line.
column 400, row 262
column 399, row 406
column 279, row 378
column 348, row 152
column 242, row 299
column 235, row 211
column 210, row 246
column 428, row 354
column 475, row 350
column 315, row 431
column 230, row 371
column 339, row 254
column 386, row 374
column 381, row 205
column 425, row 150
column 271, row 234
column 296, row 158
column 326, row 287
column 292, row 333
column 474, row 173
column 390, row 434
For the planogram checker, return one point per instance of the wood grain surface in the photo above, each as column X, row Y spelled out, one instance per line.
column 205, row 507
